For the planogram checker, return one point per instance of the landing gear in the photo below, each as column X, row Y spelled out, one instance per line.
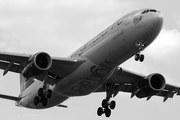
column 106, row 108
column 139, row 57
column 106, row 104
column 43, row 96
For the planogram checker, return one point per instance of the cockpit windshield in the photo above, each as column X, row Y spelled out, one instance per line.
column 149, row 10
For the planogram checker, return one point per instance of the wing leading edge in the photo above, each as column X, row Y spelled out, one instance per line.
column 126, row 81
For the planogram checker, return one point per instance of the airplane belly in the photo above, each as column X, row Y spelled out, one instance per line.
column 86, row 79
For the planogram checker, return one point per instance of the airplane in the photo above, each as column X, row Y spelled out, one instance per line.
column 47, row 81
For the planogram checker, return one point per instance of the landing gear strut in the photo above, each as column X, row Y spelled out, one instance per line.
column 43, row 96
column 107, row 105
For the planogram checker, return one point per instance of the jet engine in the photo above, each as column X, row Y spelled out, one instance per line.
column 37, row 65
column 151, row 85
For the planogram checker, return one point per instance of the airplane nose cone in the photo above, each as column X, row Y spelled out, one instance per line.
column 157, row 20
column 154, row 23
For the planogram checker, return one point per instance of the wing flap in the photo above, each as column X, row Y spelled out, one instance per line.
column 13, row 68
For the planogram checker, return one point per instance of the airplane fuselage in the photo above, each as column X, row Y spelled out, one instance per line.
column 104, row 53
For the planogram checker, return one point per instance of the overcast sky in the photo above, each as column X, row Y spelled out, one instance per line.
column 61, row 26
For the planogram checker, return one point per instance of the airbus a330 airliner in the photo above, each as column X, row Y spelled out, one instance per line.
column 47, row 81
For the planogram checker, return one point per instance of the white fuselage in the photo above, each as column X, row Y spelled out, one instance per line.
column 104, row 53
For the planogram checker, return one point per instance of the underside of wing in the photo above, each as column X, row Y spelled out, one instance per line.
column 40, row 65
column 139, row 85
column 12, row 62
column 61, row 67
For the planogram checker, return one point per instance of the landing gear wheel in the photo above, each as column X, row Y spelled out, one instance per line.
column 44, row 101
column 104, row 103
column 141, row 58
column 41, row 92
column 112, row 104
column 49, row 93
column 107, row 112
column 36, row 100
column 100, row 111
column 137, row 57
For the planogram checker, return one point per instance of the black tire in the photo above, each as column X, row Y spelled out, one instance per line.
column 104, row 103
column 112, row 104
column 36, row 100
column 107, row 112
column 49, row 94
column 137, row 57
column 100, row 111
column 41, row 92
column 141, row 58
column 44, row 102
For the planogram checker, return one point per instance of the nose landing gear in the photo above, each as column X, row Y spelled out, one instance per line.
column 138, row 56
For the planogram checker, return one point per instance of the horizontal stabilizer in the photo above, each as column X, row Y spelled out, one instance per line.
column 9, row 97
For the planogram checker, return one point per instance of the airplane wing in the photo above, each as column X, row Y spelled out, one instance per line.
column 9, row 97
column 60, row 68
column 126, row 81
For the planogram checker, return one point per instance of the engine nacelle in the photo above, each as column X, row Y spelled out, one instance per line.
column 38, row 64
column 151, row 85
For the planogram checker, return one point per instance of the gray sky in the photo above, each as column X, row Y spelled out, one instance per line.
column 60, row 27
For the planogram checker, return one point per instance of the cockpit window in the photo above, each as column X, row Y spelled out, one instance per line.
column 151, row 10
column 145, row 11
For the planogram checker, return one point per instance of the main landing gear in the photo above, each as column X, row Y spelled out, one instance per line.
column 107, row 105
column 43, row 96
